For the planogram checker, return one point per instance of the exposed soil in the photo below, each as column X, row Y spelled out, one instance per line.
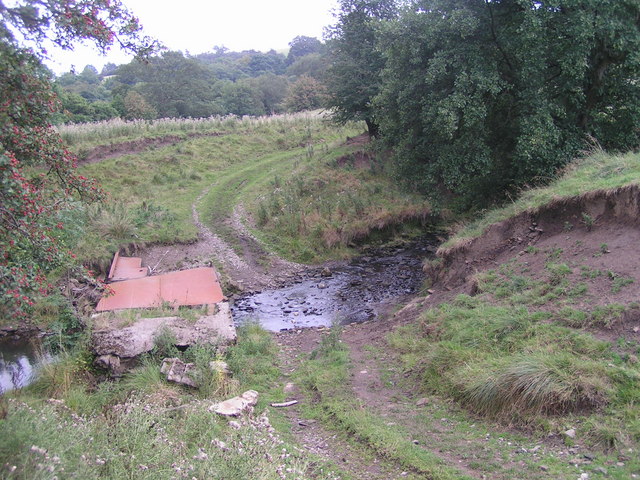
column 254, row 270
column 113, row 150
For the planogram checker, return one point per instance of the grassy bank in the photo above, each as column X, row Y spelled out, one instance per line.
column 303, row 188
column 142, row 427
column 595, row 171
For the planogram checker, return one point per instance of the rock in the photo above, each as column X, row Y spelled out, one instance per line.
column 422, row 402
column 326, row 272
column 236, row 405
column 583, row 476
column 109, row 362
column 177, row 371
column 633, row 359
column 322, row 285
column 108, row 340
column 600, row 470
column 544, row 468
column 571, row 433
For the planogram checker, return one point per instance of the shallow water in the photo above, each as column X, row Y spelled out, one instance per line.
column 354, row 292
column 19, row 363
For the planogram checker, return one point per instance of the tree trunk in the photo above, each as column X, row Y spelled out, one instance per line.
column 372, row 128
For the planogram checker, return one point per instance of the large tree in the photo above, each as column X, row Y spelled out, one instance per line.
column 481, row 96
column 353, row 78
column 38, row 182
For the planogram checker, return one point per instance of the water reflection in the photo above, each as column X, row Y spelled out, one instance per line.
column 19, row 362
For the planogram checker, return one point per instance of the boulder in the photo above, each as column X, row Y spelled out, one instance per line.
column 110, row 339
column 236, row 405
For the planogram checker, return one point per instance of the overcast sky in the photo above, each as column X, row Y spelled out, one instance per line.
column 197, row 26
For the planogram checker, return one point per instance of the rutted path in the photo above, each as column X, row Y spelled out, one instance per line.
column 250, row 272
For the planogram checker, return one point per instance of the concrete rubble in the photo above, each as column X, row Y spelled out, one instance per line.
column 117, row 339
column 237, row 405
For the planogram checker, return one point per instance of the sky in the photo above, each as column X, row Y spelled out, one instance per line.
column 196, row 26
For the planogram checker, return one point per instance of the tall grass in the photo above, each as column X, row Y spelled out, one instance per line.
column 118, row 129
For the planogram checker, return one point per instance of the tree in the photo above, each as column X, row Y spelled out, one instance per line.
column 38, row 182
column 484, row 96
column 174, row 85
column 353, row 79
column 137, row 107
column 301, row 46
column 306, row 93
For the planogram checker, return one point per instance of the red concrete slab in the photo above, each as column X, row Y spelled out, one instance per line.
column 198, row 286
column 127, row 268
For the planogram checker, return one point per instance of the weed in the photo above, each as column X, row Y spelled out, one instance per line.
column 555, row 253
column 164, row 343
column 588, row 221
column 531, row 249
column 604, row 248
column 618, row 283
column 567, row 227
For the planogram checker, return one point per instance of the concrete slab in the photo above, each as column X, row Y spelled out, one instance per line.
column 111, row 342
column 126, row 268
column 198, row 286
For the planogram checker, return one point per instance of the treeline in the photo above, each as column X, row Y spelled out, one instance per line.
column 474, row 98
column 220, row 82
column 480, row 97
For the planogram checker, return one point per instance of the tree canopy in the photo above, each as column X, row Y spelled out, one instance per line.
column 476, row 97
column 37, row 173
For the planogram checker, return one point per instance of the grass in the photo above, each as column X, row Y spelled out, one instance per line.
column 142, row 427
column 292, row 175
column 596, row 171
column 519, row 366
column 324, row 375
column 152, row 192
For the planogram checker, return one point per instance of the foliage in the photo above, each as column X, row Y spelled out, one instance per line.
column 479, row 97
column 37, row 173
column 306, row 93
column 302, row 46
column 353, row 79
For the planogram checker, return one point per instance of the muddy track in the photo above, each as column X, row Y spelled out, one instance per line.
column 253, row 270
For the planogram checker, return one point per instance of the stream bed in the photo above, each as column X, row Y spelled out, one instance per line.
column 343, row 293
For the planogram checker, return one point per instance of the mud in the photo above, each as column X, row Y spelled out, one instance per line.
column 360, row 290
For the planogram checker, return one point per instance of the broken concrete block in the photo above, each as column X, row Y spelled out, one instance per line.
column 177, row 371
column 236, row 405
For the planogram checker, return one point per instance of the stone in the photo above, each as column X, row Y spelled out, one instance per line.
column 322, row 285
column 178, row 372
column 571, row 433
column 326, row 272
column 110, row 340
column 633, row 359
column 236, row 405
column 544, row 468
column 600, row 470
column 422, row 402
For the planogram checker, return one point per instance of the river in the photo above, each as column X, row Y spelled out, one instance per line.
column 354, row 291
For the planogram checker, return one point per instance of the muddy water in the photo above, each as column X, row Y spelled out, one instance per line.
column 19, row 363
column 344, row 293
